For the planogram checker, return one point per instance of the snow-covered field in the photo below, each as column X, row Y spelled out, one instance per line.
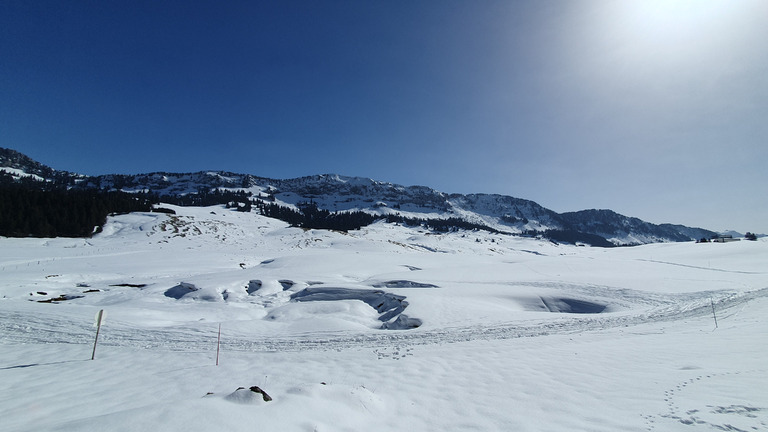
column 515, row 334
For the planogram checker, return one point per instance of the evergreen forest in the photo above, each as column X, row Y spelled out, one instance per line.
column 36, row 209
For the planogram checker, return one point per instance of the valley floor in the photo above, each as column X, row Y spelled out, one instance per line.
column 516, row 334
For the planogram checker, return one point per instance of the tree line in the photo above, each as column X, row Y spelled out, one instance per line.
column 37, row 208
column 40, row 210
column 205, row 198
column 309, row 216
column 572, row 237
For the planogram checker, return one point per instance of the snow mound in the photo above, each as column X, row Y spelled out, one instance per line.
column 186, row 290
column 337, row 315
column 403, row 322
column 248, row 396
column 388, row 305
column 253, row 286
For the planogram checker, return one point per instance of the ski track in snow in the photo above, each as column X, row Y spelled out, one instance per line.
column 24, row 328
column 701, row 268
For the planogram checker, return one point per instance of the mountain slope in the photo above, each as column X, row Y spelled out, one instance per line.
column 622, row 229
column 337, row 193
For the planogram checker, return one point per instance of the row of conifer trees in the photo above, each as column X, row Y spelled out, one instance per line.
column 34, row 211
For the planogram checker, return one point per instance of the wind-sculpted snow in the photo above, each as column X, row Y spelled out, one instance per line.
column 390, row 306
column 18, row 327
column 189, row 291
column 254, row 286
column 180, row 290
column 567, row 305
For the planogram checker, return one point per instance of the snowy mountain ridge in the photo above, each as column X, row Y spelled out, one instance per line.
column 336, row 193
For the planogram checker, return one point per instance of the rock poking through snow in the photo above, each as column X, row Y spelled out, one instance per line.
column 264, row 395
column 250, row 395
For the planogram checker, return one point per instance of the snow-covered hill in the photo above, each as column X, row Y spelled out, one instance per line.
column 384, row 328
column 339, row 193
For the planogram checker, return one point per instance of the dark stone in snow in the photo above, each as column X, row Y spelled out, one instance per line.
column 264, row 394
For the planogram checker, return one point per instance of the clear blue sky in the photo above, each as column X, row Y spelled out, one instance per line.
column 655, row 109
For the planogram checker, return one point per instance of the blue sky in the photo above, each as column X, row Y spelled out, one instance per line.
column 656, row 109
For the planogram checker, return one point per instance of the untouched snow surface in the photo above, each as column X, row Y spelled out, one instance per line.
column 491, row 332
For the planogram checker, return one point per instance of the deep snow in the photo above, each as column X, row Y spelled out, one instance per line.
column 498, row 346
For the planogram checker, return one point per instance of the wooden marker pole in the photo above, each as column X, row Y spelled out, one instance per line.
column 99, row 318
column 218, row 343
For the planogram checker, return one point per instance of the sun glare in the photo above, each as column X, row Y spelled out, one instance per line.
column 666, row 22
column 642, row 41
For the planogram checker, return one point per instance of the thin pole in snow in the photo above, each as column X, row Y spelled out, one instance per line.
column 713, row 310
column 218, row 343
column 99, row 317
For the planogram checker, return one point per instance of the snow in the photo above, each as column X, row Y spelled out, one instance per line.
column 498, row 346
column 18, row 173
